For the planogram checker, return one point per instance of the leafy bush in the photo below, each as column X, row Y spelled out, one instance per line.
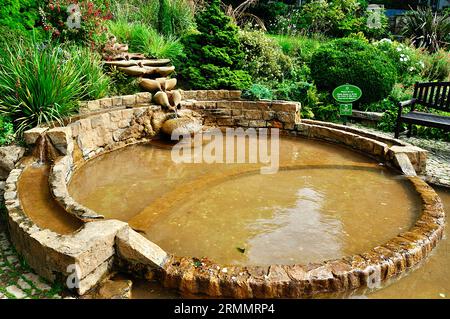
column 407, row 60
column 300, row 47
column 41, row 83
column 336, row 18
column 351, row 61
column 19, row 15
column 437, row 66
column 263, row 60
column 427, row 29
column 213, row 54
column 123, row 84
column 56, row 14
column 142, row 38
column 270, row 11
column 6, row 131
column 257, row 92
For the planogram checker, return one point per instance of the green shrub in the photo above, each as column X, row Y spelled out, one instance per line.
column 336, row 18
column 300, row 47
column 437, row 66
column 355, row 62
column 123, row 84
column 263, row 60
column 19, row 15
column 213, row 54
column 270, row 11
column 40, row 83
column 258, row 92
column 407, row 60
column 6, row 131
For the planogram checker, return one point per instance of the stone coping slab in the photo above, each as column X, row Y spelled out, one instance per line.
column 95, row 249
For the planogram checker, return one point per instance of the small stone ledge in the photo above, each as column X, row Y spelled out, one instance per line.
column 59, row 176
column 135, row 249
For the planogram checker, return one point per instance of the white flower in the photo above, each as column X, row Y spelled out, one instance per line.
column 399, row 49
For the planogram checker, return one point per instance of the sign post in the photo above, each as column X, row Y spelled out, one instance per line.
column 345, row 95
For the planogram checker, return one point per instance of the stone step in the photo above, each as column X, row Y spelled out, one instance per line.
column 161, row 71
column 138, row 62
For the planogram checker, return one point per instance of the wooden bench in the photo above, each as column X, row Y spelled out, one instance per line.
column 434, row 95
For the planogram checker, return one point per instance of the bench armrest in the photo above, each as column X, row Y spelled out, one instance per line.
column 411, row 102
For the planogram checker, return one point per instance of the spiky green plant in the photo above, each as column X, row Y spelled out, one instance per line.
column 142, row 38
column 97, row 83
column 168, row 17
column 39, row 84
column 427, row 29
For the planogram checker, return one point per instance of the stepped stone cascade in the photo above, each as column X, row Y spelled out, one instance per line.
column 152, row 73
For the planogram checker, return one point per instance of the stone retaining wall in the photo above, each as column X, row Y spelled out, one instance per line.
column 135, row 100
column 210, row 95
column 242, row 113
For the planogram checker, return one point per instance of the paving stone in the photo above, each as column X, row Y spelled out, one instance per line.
column 16, row 292
column 37, row 282
column 23, row 284
column 15, row 279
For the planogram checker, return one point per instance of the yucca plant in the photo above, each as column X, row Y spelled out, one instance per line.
column 39, row 84
column 427, row 29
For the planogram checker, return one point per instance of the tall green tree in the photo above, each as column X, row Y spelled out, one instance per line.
column 214, row 54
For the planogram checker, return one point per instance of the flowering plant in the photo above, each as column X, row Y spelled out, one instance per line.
column 76, row 20
column 407, row 59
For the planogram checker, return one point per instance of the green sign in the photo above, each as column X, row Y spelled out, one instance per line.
column 345, row 109
column 347, row 93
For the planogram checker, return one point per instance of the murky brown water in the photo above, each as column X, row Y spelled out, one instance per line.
column 431, row 280
column 326, row 202
column 37, row 201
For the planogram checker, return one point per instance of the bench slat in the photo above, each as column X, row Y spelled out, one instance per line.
column 427, row 119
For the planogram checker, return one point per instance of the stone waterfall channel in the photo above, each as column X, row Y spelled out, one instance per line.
column 88, row 255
